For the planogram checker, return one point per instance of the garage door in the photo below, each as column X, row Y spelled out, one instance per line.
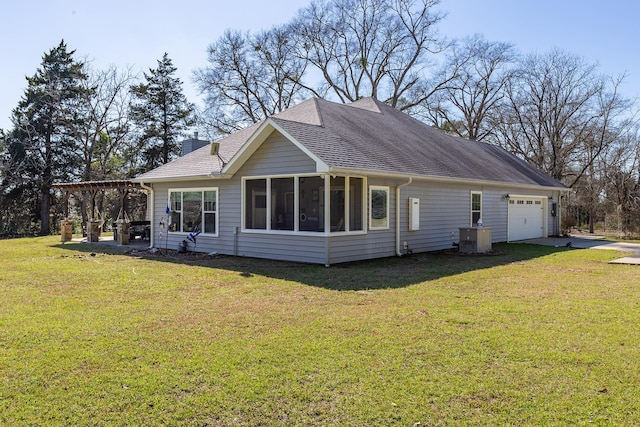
column 526, row 218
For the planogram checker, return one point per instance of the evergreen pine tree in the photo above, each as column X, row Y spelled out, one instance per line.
column 162, row 114
column 40, row 149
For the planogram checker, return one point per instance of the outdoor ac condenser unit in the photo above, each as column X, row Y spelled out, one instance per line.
column 475, row 240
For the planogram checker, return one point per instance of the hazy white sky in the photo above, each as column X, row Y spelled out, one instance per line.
column 136, row 33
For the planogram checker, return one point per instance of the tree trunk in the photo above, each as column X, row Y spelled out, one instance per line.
column 45, row 207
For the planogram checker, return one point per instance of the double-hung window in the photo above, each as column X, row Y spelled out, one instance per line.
column 194, row 211
column 476, row 207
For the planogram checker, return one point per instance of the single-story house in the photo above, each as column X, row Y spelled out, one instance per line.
column 327, row 183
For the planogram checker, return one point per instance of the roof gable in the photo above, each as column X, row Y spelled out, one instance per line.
column 265, row 129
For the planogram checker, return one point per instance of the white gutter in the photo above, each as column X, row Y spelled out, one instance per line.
column 431, row 178
column 185, row 178
column 398, row 187
column 152, row 236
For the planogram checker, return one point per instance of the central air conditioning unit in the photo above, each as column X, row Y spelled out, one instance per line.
column 475, row 240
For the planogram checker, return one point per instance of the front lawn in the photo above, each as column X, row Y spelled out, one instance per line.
column 532, row 336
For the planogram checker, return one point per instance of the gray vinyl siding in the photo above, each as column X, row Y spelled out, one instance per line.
column 277, row 156
column 373, row 243
column 170, row 240
column 444, row 208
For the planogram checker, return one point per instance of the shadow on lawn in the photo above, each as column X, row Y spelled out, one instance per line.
column 383, row 273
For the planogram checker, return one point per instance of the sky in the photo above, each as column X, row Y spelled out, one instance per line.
column 136, row 33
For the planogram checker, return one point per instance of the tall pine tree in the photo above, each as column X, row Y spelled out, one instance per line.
column 40, row 149
column 162, row 114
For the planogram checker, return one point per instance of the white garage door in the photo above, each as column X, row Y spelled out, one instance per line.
column 526, row 218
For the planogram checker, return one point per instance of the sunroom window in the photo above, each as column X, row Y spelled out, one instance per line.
column 311, row 207
column 345, row 204
column 193, row 211
column 304, row 203
column 283, row 206
column 256, row 204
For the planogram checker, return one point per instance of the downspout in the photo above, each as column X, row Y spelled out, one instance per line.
column 327, row 220
column 152, row 236
column 398, row 248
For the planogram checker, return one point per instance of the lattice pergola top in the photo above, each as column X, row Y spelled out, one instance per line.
column 98, row 185
column 93, row 187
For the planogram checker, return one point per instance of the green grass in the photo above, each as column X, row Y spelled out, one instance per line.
column 533, row 336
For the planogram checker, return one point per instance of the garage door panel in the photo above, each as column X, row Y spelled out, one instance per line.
column 526, row 218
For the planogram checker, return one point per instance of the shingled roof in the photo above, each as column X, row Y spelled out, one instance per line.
column 366, row 136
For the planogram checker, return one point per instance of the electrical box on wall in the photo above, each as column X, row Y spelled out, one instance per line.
column 414, row 214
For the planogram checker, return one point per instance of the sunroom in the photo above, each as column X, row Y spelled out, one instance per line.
column 310, row 203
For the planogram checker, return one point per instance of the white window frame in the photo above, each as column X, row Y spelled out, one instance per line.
column 471, row 210
column 178, row 230
column 375, row 223
column 323, row 193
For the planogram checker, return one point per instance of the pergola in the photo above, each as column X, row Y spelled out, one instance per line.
column 92, row 187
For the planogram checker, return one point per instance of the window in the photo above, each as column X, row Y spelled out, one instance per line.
column 378, row 208
column 311, row 207
column 476, row 207
column 356, row 186
column 346, row 203
column 193, row 211
column 337, row 202
column 304, row 203
column 256, row 204
column 282, row 208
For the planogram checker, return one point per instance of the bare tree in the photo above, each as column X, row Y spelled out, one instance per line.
column 103, row 134
column 483, row 69
column 250, row 77
column 560, row 114
column 347, row 49
column 378, row 48
column 619, row 166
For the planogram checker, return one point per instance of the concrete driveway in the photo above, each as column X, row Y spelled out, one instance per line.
column 593, row 242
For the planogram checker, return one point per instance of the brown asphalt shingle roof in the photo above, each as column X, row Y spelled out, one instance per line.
column 368, row 135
